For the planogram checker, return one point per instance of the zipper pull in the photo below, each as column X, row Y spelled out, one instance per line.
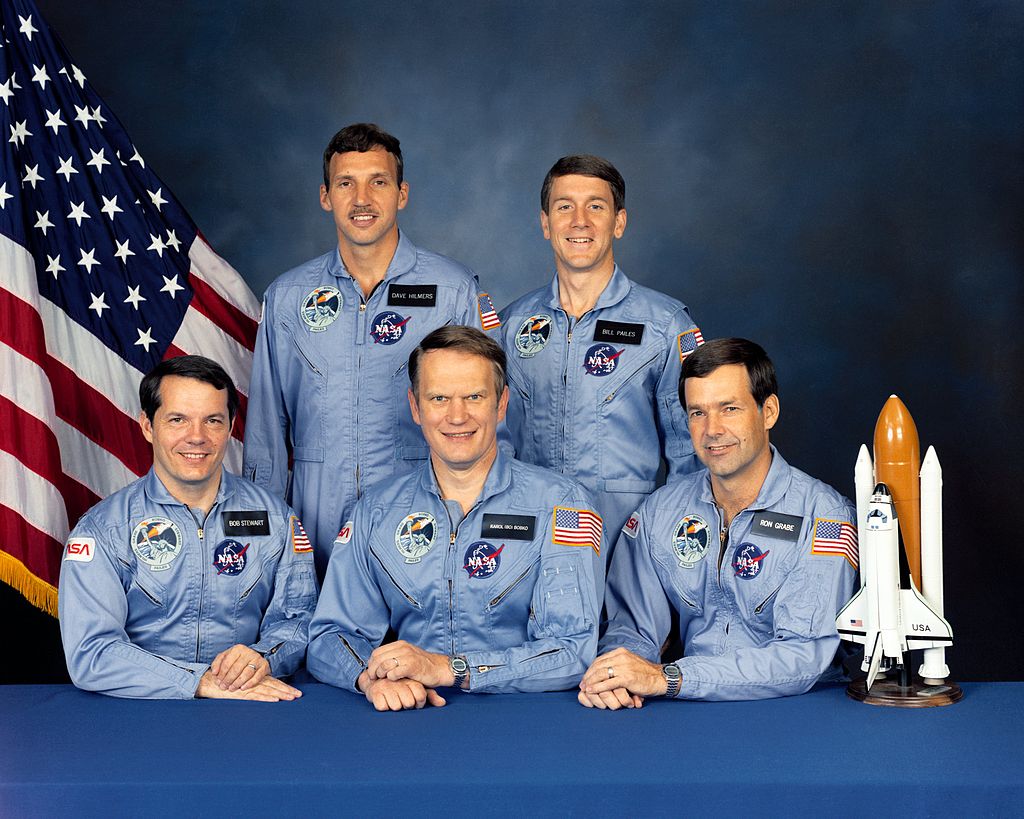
column 200, row 531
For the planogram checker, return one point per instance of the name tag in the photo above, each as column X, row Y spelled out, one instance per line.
column 619, row 332
column 412, row 295
column 509, row 527
column 776, row 525
column 245, row 523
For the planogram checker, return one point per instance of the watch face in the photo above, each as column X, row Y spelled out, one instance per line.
column 459, row 666
column 671, row 671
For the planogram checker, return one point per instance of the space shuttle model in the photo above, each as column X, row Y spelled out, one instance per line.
column 898, row 608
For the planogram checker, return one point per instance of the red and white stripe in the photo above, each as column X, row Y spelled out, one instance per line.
column 69, row 433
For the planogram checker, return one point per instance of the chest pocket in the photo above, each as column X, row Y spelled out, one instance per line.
column 410, row 443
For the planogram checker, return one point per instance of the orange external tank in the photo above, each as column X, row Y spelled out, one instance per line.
column 898, row 465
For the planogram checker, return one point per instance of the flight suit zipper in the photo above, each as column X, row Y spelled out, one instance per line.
column 632, row 375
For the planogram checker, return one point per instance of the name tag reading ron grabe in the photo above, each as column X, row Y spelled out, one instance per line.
column 412, row 295
column 246, row 523
column 777, row 525
column 509, row 527
column 619, row 332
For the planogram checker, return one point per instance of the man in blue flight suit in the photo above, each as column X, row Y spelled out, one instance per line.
column 756, row 608
column 189, row 582
column 593, row 357
column 328, row 382
column 486, row 569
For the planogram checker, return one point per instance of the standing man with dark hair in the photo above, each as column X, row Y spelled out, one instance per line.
column 755, row 557
column 189, row 582
column 485, row 569
column 593, row 357
column 327, row 398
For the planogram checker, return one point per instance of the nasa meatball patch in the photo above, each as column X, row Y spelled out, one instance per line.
column 482, row 559
column 229, row 557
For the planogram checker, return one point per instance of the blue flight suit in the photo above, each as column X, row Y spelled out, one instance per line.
column 762, row 624
column 150, row 593
column 495, row 587
column 597, row 398
column 329, row 379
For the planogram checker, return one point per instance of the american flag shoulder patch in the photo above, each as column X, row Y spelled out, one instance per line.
column 688, row 342
column 576, row 527
column 300, row 540
column 488, row 316
column 835, row 537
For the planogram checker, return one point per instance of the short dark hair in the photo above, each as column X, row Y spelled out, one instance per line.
column 585, row 165
column 721, row 351
column 186, row 366
column 464, row 340
column 362, row 137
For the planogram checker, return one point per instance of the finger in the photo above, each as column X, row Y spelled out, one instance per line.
column 595, row 702
column 394, row 698
column 243, row 674
column 279, row 687
column 419, row 695
column 235, row 664
column 435, row 699
column 621, row 696
column 600, row 686
column 218, row 661
column 638, row 701
column 406, row 696
column 259, row 674
column 584, row 700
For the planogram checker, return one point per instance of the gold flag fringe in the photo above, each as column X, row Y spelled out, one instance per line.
column 38, row 592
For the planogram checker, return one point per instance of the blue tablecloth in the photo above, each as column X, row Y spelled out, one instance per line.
column 64, row 753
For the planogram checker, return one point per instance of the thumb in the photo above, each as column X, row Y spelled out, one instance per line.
column 435, row 699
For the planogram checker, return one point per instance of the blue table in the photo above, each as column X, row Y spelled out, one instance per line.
column 65, row 753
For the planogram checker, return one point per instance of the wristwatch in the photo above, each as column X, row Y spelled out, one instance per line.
column 460, row 668
column 673, row 677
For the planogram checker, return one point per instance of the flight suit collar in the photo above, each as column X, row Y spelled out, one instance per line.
column 402, row 262
column 498, row 479
column 156, row 492
column 615, row 291
column 775, row 485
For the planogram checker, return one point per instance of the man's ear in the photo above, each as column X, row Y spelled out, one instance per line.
column 414, row 407
column 147, row 426
column 770, row 411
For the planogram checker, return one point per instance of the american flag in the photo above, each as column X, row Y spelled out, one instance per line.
column 103, row 276
column 488, row 318
column 688, row 342
column 300, row 540
column 835, row 537
column 577, row 527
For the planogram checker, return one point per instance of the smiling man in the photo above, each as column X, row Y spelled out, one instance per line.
column 593, row 357
column 754, row 557
column 327, row 409
column 190, row 582
column 485, row 569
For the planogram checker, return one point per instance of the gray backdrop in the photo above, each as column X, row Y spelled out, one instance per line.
column 841, row 182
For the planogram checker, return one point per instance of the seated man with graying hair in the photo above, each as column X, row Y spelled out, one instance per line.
column 486, row 569
column 189, row 582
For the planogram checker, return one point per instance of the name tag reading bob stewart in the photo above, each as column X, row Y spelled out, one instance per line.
column 777, row 525
column 509, row 527
column 246, row 523
column 619, row 332
column 412, row 295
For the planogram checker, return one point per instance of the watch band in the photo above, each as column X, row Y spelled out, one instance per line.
column 673, row 677
column 460, row 670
